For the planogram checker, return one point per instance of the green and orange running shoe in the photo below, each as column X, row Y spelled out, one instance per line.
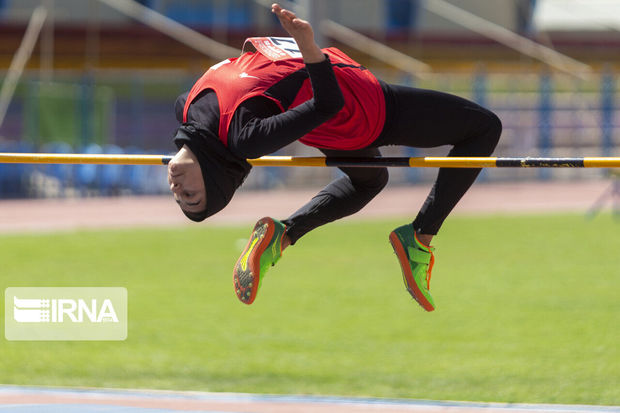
column 416, row 261
column 263, row 250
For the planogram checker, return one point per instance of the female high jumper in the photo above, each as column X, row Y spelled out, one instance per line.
column 282, row 90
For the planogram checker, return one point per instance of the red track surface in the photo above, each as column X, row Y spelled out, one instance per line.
column 50, row 400
column 247, row 206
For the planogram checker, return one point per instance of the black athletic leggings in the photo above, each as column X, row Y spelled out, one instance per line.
column 416, row 118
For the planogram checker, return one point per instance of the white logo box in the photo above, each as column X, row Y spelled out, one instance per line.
column 65, row 313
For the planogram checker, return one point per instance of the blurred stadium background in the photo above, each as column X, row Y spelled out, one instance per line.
column 103, row 76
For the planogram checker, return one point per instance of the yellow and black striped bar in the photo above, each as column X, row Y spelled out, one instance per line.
column 82, row 159
column 440, row 162
column 319, row 161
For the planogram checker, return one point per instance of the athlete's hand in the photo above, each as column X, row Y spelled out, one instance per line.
column 301, row 31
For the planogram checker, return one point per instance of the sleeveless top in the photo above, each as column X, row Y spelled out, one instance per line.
column 255, row 73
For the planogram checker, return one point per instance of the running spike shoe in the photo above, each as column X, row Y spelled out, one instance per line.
column 263, row 250
column 416, row 261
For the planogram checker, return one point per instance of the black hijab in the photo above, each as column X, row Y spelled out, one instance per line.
column 222, row 171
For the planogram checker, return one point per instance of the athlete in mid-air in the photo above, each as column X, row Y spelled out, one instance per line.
column 282, row 90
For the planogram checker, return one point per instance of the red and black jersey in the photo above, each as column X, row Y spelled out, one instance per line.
column 282, row 78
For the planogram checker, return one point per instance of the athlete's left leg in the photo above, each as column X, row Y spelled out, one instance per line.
column 426, row 118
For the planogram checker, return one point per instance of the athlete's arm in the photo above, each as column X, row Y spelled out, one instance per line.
column 259, row 128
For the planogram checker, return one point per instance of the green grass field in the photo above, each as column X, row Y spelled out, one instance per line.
column 528, row 311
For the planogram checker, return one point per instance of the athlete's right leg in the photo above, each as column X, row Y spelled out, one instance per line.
column 344, row 196
column 263, row 250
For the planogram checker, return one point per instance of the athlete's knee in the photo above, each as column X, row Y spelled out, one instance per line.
column 382, row 178
column 495, row 126
column 372, row 181
column 489, row 130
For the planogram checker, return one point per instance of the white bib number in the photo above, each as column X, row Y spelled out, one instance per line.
column 275, row 48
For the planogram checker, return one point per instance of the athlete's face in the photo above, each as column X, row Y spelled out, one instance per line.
column 186, row 182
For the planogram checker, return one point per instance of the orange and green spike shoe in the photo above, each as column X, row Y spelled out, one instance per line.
column 263, row 250
column 416, row 261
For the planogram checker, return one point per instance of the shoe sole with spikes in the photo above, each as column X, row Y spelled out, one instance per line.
column 248, row 271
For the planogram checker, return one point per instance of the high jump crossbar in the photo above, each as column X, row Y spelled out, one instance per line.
column 319, row 161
